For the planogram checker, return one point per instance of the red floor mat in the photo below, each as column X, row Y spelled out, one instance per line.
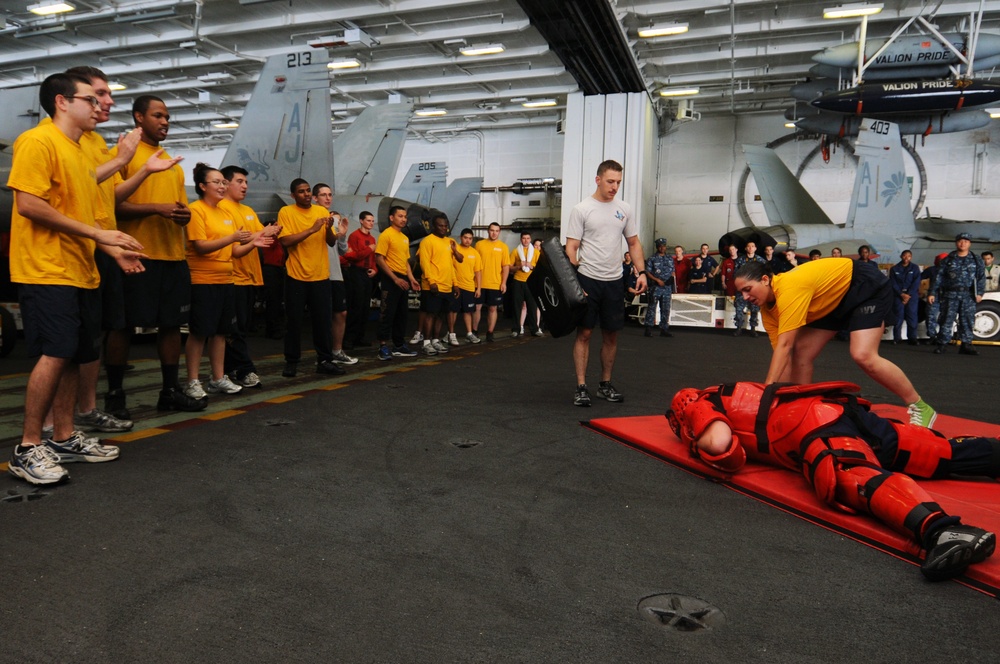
column 977, row 502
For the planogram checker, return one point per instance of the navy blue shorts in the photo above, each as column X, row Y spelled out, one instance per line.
column 160, row 296
column 490, row 297
column 213, row 309
column 433, row 302
column 112, row 292
column 339, row 290
column 604, row 304
column 867, row 304
column 61, row 321
column 462, row 301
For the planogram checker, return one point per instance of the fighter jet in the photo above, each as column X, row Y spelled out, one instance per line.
column 285, row 134
column 879, row 216
column 426, row 183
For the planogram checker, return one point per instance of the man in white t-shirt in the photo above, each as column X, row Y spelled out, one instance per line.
column 594, row 244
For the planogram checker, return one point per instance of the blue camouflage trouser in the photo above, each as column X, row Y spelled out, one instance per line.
column 933, row 318
column 958, row 306
column 661, row 297
column 740, row 304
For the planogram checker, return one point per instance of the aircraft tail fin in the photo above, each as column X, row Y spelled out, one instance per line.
column 785, row 199
column 422, row 181
column 285, row 129
column 881, row 198
column 367, row 154
column 459, row 201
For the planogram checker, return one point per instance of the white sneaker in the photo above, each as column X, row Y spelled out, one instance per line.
column 417, row 338
column 37, row 464
column 250, row 380
column 438, row 346
column 452, row 339
column 429, row 348
column 340, row 357
column 539, row 333
column 223, row 386
column 194, row 390
column 472, row 338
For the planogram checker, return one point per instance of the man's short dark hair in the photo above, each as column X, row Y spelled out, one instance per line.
column 986, row 253
column 365, row 213
column 465, row 231
column 229, row 171
column 141, row 104
column 57, row 85
column 88, row 72
column 815, row 252
column 296, row 183
column 609, row 165
column 393, row 209
column 492, row 224
column 320, row 185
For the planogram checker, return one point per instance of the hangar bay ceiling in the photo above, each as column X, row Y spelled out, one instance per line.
column 464, row 64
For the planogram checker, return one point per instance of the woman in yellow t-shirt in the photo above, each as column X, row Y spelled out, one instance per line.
column 804, row 309
column 215, row 237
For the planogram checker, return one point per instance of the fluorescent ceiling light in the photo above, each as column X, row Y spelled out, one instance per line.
column 539, row 103
column 853, row 11
column 678, row 92
column 790, row 125
column 228, row 124
column 48, row 8
column 116, row 86
column 430, row 112
column 483, row 49
column 663, row 30
column 344, row 63
column 994, row 112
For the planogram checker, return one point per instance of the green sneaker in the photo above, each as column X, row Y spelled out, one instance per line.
column 921, row 414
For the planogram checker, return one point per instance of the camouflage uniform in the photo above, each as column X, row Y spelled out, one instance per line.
column 661, row 267
column 933, row 310
column 958, row 281
column 740, row 304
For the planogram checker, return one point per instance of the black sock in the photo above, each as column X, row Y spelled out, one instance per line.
column 169, row 373
column 116, row 375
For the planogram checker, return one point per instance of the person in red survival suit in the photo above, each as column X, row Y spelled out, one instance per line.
column 855, row 460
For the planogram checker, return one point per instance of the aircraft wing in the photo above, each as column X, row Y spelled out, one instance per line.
column 785, row 199
column 366, row 155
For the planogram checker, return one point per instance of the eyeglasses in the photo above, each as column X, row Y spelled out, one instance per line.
column 218, row 182
column 94, row 101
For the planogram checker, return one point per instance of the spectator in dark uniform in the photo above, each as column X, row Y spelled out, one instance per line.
column 959, row 285
column 905, row 279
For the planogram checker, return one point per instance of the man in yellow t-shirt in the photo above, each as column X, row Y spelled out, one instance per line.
column 468, row 287
column 54, row 231
column 248, row 277
column 523, row 260
column 437, row 254
column 156, row 213
column 392, row 257
column 496, row 267
column 306, row 231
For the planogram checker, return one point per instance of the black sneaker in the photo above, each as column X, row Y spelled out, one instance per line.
column 329, row 367
column 607, row 391
column 291, row 368
column 956, row 547
column 967, row 349
column 582, row 396
column 114, row 403
column 489, row 337
column 174, row 399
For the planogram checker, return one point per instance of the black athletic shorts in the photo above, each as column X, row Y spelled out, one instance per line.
column 160, row 296
column 61, row 321
column 213, row 309
column 339, row 290
column 433, row 302
column 462, row 301
column 604, row 304
column 112, row 292
column 490, row 297
column 867, row 304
